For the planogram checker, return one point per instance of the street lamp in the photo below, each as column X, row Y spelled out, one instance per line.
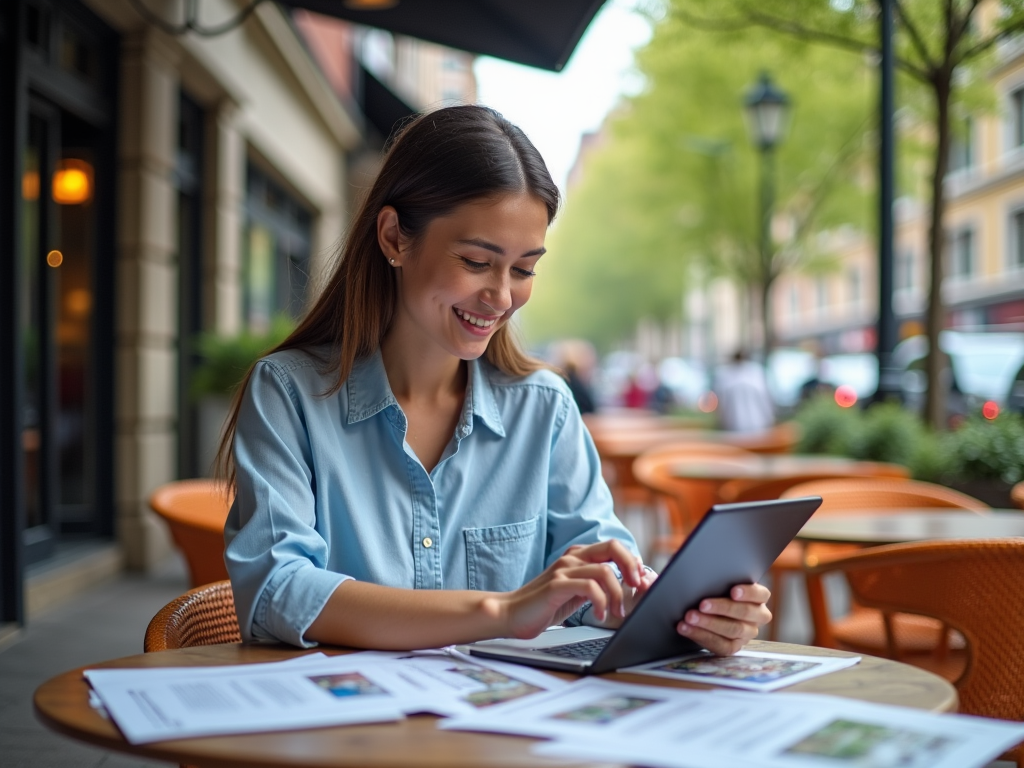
column 767, row 110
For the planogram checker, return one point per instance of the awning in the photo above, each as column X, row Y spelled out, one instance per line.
column 540, row 33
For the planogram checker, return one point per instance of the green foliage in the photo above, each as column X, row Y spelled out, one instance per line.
column 981, row 449
column 672, row 189
column 826, row 428
column 226, row 359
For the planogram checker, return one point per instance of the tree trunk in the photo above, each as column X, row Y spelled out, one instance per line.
column 935, row 402
column 768, row 336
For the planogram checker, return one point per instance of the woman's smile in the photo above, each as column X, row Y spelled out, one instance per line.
column 478, row 325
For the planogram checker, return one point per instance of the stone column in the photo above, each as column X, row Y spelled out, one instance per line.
column 224, row 198
column 147, row 302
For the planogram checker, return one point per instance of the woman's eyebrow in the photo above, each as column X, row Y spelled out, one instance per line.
column 478, row 243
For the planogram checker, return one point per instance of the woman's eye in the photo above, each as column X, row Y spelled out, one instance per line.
column 523, row 272
column 475, row 264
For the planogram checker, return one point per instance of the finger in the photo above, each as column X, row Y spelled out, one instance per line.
column 717, row 644
column 606, row 580
column 728, row 628
column 723, row 606
column 630, row 566
column 750, row 593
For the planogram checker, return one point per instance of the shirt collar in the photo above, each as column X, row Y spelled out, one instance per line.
column 369, row 393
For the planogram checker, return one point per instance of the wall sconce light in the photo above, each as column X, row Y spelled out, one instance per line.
column 72, row 182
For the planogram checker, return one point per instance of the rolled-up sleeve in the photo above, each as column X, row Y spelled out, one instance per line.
column 580, row 508
column 275, row 556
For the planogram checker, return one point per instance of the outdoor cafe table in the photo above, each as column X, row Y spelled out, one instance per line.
column 62, row 703
column 771, row 467
column 910, row 525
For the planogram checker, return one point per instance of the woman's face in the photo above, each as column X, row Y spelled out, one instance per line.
column 470, row 271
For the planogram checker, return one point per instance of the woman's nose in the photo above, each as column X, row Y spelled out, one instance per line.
column 498, row 295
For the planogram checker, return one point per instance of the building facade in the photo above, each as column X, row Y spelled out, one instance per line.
column 156, row 186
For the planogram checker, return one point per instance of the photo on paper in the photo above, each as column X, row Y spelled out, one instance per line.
column 606, row 710
column 869, row 745
column 750, row 669
column 500, row 687
column 348, row 684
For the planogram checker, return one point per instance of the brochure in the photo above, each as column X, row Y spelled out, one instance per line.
column 749, row 670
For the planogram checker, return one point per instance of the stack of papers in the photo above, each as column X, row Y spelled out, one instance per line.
column 591, row 718
column 605, row 721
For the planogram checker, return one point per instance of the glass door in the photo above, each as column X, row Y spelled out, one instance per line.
column 57, row 276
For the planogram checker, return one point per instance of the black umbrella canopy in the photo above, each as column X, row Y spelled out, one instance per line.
column 540, row 33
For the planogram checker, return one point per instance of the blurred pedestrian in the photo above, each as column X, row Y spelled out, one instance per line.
column 635, row 395
column 744, row 402
column 579, row 388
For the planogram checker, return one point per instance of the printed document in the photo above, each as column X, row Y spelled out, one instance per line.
column 749, row 670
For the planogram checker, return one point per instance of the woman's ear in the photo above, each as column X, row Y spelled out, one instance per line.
column 389, row 235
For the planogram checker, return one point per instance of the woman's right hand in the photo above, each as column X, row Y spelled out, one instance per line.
column 579, row 575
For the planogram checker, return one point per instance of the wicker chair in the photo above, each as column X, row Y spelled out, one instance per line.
column 973, row 586
column 686, row 500
column 865, row 629
column 195, row 511
column 202, row 616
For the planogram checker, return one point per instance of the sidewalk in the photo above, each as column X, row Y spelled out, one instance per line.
column 105, row 623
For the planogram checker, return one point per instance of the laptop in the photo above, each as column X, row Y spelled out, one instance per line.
column 733, row 544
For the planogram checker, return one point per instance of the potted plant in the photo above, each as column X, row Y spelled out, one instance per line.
column 225, row 361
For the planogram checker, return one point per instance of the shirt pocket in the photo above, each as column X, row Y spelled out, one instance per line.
column 502, row 558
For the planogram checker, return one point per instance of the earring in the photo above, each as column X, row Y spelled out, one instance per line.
column 392, row 261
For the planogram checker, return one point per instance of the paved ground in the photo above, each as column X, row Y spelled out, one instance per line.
column 104, row 624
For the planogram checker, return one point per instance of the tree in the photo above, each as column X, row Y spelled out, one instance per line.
column 673, row 189
column 941, row 44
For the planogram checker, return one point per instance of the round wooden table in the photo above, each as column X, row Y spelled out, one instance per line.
column 874, row 529
column 62, row 703
column 772, row 467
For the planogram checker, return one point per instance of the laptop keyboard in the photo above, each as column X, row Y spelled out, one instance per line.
column 585, row 649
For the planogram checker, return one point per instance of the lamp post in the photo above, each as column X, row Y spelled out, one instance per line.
column 767, row 110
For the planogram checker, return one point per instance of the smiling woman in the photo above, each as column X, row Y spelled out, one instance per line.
column 405, row 475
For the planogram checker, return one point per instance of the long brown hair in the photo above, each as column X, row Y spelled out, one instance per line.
column 436, row 162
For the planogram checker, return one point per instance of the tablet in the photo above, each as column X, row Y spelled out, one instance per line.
column 733, row 544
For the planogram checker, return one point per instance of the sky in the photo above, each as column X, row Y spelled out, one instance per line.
column 555, row 109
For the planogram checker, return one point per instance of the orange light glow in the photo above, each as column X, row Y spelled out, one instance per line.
column 55, row 258
column 990, row 409
column 30, row 185
column 370, row 5
column 708, row 402
column 846, row 396
column 72, row 183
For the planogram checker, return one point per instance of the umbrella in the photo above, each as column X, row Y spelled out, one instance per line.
column 540, row 33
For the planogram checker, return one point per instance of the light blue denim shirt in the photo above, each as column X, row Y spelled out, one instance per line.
column 328, row 490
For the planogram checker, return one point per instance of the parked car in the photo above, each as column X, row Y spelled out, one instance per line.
column 787, row 370
column 983, row 367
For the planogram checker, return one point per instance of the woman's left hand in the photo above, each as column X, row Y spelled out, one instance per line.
column 723, row 625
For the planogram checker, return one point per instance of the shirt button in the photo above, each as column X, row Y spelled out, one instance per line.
column 428, row 542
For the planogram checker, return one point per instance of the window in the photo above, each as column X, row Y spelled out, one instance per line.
column 903, row 277
column 821, row 292
column 961, row 147
column 961, row 253
column 277, row 250
column 854, row 282
column 1017, row 118
column 1016, row 256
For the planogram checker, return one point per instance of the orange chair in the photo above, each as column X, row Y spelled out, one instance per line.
column 782, row 438
column 195, row 511
column 792, row 558
column 685, row 499
column 973, row 586
column 202, row 616
column 863, row 629
column 1017, row 495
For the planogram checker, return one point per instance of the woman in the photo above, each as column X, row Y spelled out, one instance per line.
column 405, row 476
